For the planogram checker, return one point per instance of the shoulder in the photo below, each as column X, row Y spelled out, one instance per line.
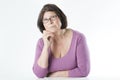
column 79, row 35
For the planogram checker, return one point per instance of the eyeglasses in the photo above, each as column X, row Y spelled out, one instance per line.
column 52, row 18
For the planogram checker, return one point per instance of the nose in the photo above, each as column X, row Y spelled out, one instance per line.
column 50, row 21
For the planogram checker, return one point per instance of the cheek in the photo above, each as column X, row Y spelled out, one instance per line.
column 59, row 23
column 45, row 26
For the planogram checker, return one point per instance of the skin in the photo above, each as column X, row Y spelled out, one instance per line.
column 57, row 39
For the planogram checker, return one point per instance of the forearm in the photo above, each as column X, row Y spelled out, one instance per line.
column 40, row 67
column 59, row 74
column 76, row 72
column 43, row 59
column 79, row 72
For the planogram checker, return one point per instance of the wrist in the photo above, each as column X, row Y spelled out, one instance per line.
column 46, row 47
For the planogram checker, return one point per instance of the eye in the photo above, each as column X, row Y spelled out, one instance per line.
column 45, row 20
column 53, row 17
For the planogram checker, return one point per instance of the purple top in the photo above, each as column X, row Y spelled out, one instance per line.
column 76, row 61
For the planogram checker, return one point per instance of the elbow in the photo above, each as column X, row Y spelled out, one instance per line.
column 79, row 72
column 38, row 74
column 85, row 72
column 85, row 69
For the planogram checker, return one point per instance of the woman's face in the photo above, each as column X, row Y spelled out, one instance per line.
column 51, row 21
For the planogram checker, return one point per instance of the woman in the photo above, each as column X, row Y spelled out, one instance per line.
column 61, row 52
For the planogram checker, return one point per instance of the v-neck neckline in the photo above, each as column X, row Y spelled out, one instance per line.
column 68, row 52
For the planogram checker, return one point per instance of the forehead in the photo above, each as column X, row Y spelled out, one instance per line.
column 48, row 14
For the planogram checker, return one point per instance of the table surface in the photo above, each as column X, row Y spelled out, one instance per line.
column 88, row 78
column 59, row 78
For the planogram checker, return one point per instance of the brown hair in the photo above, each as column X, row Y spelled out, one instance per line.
column 57, row 10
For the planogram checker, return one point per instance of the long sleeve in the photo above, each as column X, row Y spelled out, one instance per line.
column 83, row 62
column 39, row 71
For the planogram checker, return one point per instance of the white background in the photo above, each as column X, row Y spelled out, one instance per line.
column 98, row 20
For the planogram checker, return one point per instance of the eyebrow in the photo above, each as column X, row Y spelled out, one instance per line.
column 49, row 16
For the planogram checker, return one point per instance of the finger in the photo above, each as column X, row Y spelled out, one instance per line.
column 51, row 34
column 45, row 31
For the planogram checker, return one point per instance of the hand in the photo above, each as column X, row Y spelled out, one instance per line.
column 47, row 38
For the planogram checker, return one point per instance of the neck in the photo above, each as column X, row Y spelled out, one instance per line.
column 59, row 35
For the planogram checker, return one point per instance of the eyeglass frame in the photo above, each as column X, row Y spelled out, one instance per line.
column 52, row 18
